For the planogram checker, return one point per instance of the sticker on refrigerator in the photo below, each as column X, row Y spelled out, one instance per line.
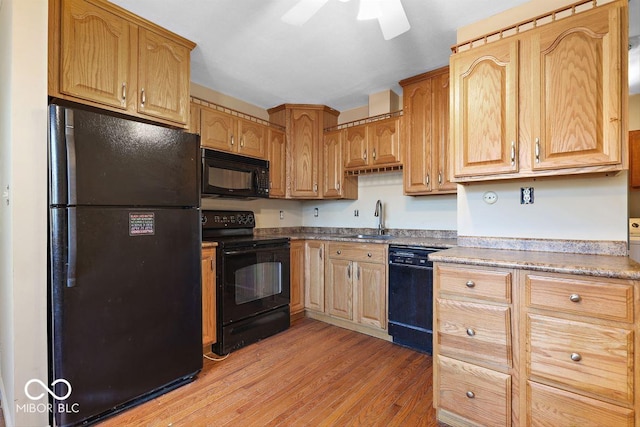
column 142, row 223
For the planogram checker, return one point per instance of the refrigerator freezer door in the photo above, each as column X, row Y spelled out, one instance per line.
column 130, row 323
column 108, row 161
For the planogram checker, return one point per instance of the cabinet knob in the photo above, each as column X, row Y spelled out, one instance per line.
column 471, row 332
column 439, row 177
column 470, row 394
column 232, row 140
column 575, row 298
column 338, row 251
column 124, row 92
column 576, row 357
column 537, row 150
column 369, row 254
column 471, row 284
column 143, row 97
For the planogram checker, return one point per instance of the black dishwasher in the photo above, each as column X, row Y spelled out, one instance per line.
column 411, row 297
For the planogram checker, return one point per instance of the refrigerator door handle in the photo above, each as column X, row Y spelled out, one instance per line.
column 72, row 248
column 71, row 157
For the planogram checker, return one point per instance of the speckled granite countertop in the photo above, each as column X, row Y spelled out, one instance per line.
column 618, row 267
column 420, row 238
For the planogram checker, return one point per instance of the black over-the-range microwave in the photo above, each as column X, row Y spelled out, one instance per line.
column 233, row 175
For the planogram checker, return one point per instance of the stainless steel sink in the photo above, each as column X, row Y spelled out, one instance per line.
column 370, row 236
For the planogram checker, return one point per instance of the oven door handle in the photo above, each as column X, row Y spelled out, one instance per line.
column 255, row 249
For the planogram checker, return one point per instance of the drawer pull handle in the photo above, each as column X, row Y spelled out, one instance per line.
column 471, row 332
column 575, row 298
column 576, row 357
column 471, row 394
column 471, row 284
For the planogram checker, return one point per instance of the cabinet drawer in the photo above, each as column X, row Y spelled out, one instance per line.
column 602, row 299
column 358, row 252
column 478, row 394
column 592, row 358
column 474, row 331
column 492, row 285
column 548, row 406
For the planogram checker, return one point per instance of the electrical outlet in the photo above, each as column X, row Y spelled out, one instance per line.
column 356, row 212
column 490, row 197
column 315, row 212
column 281, row 214
column 526, row 195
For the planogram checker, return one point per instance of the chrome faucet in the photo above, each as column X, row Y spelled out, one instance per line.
column 380, row 215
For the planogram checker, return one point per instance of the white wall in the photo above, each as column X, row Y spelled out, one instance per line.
column 421, row 212
column 23, row 212
column 584, row 208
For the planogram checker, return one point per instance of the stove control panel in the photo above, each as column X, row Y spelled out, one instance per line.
column 228, row 219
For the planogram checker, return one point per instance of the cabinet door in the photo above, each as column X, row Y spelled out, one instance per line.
column 577, row 112
column 340, row 288
column 314, row 276
column 371, row 284
column 163, row 77
column 95, row 55
column 251, row 138
column 208, row 296
column 417, row 106
column 440, row 143
column 485, row 120
column 384, row 142
column 297, row 276
column 355, row 153
column 216, row 129
column 277, row 163
column 305, row 153
column 332, row 164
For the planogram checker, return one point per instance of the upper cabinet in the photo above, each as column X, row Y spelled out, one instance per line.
column 103, row 56
column 305, row 164
column 426, row 134
column 374, row 144
column 226, row 132
column 550, row 100
column 335, row 184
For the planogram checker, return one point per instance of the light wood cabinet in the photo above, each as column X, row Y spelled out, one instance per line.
column 304, row 126
column 475, row 374
column 208, row 296
column 104, row 56
column 356, row 283
column 277, row 146
column 551, row 349
column 426, row 134
column 297, row 251
column 579, row 340
column 226, row 132
column 335, row 185
column 314, row 279
column 373, row 144
column 550, row 100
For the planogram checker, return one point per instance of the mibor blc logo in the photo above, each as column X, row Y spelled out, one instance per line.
column 39, row 386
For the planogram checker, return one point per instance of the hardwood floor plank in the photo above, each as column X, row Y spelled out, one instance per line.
column 310, row 375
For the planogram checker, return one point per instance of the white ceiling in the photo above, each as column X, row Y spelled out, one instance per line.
column 244, row 50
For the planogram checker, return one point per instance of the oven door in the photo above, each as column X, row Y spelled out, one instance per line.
column 252, row 280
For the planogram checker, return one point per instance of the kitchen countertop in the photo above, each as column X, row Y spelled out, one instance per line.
column 615, row 267
column 420, row 238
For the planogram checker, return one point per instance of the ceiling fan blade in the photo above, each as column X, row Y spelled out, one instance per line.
column 302, row 11
column 392, row 19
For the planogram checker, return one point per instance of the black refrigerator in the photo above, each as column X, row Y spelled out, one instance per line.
column 124, row 260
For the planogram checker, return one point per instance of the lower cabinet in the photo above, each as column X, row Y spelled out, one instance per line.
column 208, row 295
column 518, row 347
column 356, row 283
column 296, row 305
column 346, row 284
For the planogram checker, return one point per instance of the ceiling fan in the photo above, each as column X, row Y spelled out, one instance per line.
column 389, row 13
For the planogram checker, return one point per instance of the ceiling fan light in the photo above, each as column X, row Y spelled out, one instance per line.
column 302, row 11
column 369, row 9
column 392, row 19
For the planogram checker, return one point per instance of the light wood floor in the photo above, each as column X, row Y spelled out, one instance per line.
column 313, row 374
